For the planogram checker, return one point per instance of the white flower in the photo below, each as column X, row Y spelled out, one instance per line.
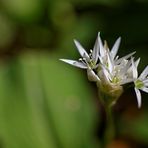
column 114, row 69
column 87, row 61
column 141, row 82
column 111, row 72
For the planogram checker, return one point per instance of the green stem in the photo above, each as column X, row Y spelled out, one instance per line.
column 108, row 95
column 109, row 132
column 110, row 129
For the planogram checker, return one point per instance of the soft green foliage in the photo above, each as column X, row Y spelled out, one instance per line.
column 42, row 106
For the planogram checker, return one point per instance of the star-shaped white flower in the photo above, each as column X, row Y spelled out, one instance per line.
column 87, row 61
column 141, row 82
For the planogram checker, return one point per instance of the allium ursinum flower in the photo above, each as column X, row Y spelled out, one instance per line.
column 87, row 61
column 141, row 82
column 111, row 72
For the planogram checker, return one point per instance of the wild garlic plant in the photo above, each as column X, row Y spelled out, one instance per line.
column 109, row 71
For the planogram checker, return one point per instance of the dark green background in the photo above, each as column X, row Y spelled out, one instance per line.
column 45, row 103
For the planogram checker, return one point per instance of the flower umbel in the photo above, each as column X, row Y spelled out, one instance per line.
column 109, row 71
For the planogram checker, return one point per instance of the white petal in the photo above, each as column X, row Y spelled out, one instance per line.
column 146, row 84
column 125, row 67
column 126, row 81
column 110, row 63
column 145, row 89
column 106, row 73
column 101, row 59
column 115, row 48
column 145, row 81
column 116, row 58
column 125, row 57
column 95, row 51
column 92, row 76
column 75, row 63
column 128, row 65
column 102, row 50
column 130, row 71
column 81, row 50
column 144, row 73
column 134, row 69
column 137, row 62
column 138, row 94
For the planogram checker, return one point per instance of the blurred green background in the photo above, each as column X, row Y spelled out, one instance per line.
column 45, row 103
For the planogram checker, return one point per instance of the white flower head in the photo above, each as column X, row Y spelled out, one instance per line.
column 112, row 71
column 141, row 82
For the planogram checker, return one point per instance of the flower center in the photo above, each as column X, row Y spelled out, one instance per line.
column 139, row 84
column 115, row 80
column 91, row 63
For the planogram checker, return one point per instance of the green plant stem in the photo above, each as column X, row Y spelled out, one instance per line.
column 109, row 131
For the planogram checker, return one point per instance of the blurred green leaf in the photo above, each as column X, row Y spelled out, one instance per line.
column 24, row 10
column 62, row 15
column 137, row 128
column 37, row 37
column 7, row 31
column 44, row 103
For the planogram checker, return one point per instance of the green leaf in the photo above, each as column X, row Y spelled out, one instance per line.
column 45, row 103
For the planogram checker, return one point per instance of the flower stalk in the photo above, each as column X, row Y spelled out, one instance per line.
column 109, row 130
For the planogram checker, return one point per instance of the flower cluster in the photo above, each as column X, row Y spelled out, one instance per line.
column 109, row 71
